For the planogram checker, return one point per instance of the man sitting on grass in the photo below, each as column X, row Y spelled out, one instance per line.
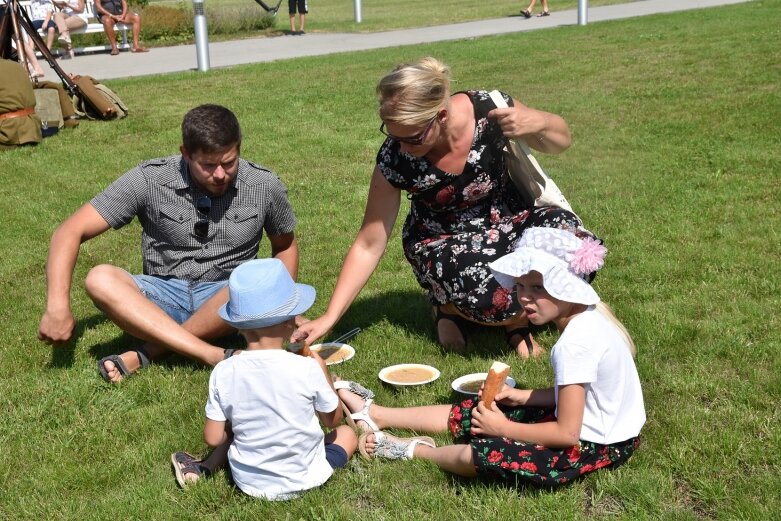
column 203, row 213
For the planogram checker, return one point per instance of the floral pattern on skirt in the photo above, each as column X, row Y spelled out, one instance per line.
column 458, row 224
column 517, row 461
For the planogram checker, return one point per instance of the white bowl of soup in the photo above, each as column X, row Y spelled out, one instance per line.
column 333, row 352
column 471, row 383
column 401, row 375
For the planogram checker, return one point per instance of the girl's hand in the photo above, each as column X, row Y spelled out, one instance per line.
column 512, row 397
column 488, row 422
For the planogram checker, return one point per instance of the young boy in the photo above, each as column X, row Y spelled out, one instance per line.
column 260, row 414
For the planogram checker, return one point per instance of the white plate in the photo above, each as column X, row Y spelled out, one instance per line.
column 347, row 350
column 387, row 376
column 458, row 382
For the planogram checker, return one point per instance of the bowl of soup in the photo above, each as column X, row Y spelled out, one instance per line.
column 333, row 352
column 401, row 375
column 471, row 383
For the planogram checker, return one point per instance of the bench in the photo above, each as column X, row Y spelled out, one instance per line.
column 93, row 26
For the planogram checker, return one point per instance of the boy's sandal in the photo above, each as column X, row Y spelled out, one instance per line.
column 362, row 415
column 526, row 333
column 391, row 447
column 526, row 13
column 143, row 359
column 184, row 463
column 229, row 353
column 456, row 319
column 544, row 13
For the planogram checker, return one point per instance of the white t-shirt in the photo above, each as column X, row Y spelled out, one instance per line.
column 592, row 351
column 270, row 398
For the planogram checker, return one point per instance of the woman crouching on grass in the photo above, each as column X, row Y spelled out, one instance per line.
column 589, row 420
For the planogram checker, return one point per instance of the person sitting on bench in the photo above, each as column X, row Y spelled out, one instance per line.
column 111, row 12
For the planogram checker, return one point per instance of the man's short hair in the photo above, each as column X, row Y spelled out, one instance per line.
column 210, row 128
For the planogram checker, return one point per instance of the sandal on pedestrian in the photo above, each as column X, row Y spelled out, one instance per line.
column 183, row 464
column 391, row 447
column 363, row 414
column 544, row 13
column 525, row 333
column 459, row 322
column 526, row 13
column 143, row 360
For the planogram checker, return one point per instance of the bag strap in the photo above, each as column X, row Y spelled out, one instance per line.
column 498, row 100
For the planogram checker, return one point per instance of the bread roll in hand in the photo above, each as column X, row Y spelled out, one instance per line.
column 494, row 382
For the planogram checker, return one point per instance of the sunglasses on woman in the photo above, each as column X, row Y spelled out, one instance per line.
column 415, row 140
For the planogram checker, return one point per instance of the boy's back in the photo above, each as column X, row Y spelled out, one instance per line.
column 270, row 398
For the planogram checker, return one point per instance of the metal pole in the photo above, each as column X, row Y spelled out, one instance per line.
column 582, row 12
column 201, row 35
column 358, row 17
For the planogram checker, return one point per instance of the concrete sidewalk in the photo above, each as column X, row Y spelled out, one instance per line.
column 161, row 60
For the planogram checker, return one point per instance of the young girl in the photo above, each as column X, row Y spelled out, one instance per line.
column 590, row 419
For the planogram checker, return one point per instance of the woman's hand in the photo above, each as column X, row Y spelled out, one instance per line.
column 488, row 421
column 519, row 120
column 542, row 130
column 311, row 331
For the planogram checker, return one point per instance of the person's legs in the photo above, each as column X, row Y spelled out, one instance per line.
column 545, row 7
column 344, row 437
column 134, row 20
column 291, row 11
column 108, row 27
column 301, row 21
column 429, row 418
column 50, row 35
column 456, row 459
column 116, row 293
column 528, row 11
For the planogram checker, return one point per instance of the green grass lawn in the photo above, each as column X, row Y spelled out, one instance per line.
column 675, row 163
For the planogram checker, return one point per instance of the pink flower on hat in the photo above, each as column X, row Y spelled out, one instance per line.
column 589, row 257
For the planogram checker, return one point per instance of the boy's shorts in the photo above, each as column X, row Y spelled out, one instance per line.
column 178, row 298
column 335, row 455
column 301, row 4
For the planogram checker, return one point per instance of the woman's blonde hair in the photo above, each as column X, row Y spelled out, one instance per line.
column 413, row 94
column 607, row 312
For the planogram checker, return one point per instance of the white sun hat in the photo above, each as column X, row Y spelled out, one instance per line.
column 563, row 260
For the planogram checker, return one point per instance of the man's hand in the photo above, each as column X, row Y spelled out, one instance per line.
column 488, row 422
column 56, row 327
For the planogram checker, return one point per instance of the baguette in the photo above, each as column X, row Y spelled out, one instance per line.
column 494, row 382
column 301, row 348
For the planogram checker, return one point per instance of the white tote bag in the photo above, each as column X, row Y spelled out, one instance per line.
column 533, row 184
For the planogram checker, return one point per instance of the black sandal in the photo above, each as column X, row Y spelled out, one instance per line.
column 456, row 319
column 526, row 13
column 143, row 360
column 526, row 333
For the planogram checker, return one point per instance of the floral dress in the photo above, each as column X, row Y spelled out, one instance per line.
column 515, row 461
column 459, row 223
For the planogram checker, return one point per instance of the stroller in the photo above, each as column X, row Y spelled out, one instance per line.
column 269, row 9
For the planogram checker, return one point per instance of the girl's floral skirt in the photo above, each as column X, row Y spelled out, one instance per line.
column 517, row 461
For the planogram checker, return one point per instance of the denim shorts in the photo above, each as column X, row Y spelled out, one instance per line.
column 178, row 298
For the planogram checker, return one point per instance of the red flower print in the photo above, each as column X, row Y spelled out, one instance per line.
column 504, row 465
column 573, row 453
column 515, row 465
column 524, row 453
column 501, row 298
column 495, row 456
column 528, row 466
column 468, row 404
column 553, row 461
column 586, row 468
column 445, row 195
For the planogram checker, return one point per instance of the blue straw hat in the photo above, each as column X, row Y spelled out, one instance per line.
column 263, row 294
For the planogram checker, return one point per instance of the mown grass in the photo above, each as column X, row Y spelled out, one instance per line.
column 675, row 164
